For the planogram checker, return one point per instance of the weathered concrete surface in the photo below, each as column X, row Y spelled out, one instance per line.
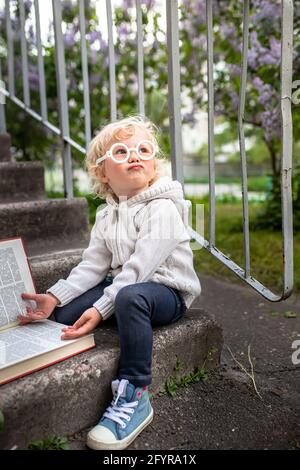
column 21, row 181
column 49, row 268
column 67, row 397
column 224, row 412
column 45, row 222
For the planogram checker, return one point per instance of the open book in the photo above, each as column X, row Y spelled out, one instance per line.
column 25, row 349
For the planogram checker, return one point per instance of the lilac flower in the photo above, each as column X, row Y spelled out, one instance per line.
column 94, row 79
column 95, row 36
column 27, row 5
column 189, row 118
column 268, row 59
column 33, row 79
column 234, row 69
column 69, row 39
column 258, row 83
column 252, row 58
column 270, row 120
column 123, row 32
column 127, row 4
column 68, row 6
column 226, row 30
column 149, row 3
column 234, row 99
column 275, row 46
column 265, row 10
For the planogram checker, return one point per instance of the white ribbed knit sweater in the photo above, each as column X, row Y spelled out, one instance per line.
column 143, row 238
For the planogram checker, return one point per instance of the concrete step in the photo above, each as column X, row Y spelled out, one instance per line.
column 55, row 264
column 70, row 396
column 22, row 181
column 45, row 223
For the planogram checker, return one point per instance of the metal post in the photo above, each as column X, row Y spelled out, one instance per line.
column 211, row 148
column 42, row 85
column 85, row 75
column 2, row 104
column 242, row 98
column 140, row 57
column 112, row 69
column 287, row 144
column 174, row 90
column 62, row 99
column 10, row 50
column 26, row 93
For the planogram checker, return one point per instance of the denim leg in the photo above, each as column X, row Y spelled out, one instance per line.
column 70, row 313
column 138, row 308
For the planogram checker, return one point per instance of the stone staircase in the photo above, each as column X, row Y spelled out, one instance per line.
column 69, row 396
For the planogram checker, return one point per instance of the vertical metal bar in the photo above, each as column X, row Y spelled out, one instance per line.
column 241, row 110
column 112, row 70
column 10, row 50
column 286, row 71
column 140, row 56
column 2, row 104
column 62, row 98
column 42, row 85
column 26, row 93
column 85, row 75
column 174, row 90
column 211, row 149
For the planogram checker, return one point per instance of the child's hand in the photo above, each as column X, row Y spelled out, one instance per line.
column 85, row 324
column 45, row 306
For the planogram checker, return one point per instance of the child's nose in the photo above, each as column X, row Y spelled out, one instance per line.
column 133, row 155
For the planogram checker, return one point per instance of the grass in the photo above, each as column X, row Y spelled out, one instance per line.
column 265, row 248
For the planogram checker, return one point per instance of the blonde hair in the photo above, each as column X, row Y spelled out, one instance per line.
column 118, row 130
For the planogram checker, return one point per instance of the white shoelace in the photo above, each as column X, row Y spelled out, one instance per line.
column 117, row 412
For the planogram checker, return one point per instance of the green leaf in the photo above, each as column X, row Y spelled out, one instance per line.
column 290, row 315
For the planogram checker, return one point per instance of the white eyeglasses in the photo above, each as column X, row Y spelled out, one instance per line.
column 119, row 152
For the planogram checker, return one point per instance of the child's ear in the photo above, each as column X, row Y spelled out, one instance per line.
column 100, row 173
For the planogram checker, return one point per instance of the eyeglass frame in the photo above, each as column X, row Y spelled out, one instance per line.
column 108, row 154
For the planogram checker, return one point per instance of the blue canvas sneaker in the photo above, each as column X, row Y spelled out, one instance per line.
column 129, row 413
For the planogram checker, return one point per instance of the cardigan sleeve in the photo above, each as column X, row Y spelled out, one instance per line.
column 95, row 264
column 162, row 229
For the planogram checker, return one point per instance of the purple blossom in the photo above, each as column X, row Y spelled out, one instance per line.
column 234, row 99
column 149, row 3
column 270, row 120
column 258, row 83
column 33, row 80
column 127, row 4
column 95, row 36
column 265, row 10
column 69, row 39
column 275, row 46
column 68, row 6
column 234, row 69
column 226, row 30
column 27, row 5
column 252, row 58
column 123, row 31
column 189, row 118
column 94, row 79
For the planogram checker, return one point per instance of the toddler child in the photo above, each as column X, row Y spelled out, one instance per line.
column 138, row 266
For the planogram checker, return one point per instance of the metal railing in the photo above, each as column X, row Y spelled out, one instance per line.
column 174, row 113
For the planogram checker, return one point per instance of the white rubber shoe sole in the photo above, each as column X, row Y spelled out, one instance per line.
column 92, row 443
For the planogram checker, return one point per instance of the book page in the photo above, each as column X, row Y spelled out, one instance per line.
column 15, row 278
column 26, row 341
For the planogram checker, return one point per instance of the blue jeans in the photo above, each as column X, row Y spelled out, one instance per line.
column 137, row 308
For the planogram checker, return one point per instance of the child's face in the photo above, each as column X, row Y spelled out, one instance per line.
column 121, row 177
